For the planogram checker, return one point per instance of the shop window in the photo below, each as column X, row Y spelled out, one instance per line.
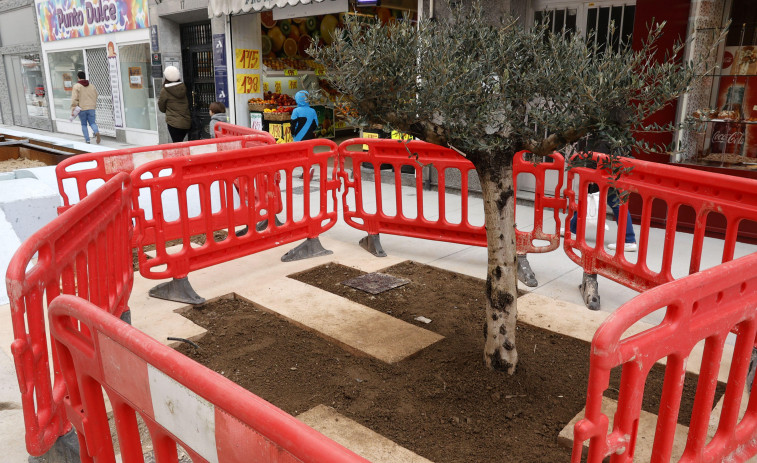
column 136, row 84
column 63, row 68
column 590, row 20
column 27, row 87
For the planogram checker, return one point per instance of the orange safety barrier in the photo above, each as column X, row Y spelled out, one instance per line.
column 390, row 214
column 700, row 308
column 83, row 173
column 219, row 173
column 704, row 192
column 180, row 401
column 224, row 129
column 84, row 252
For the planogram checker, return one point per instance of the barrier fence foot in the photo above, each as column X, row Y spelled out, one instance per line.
column 178, row 290
column 64, row 450
column 525, row 274
column 752, row 368
column 590, row 291
column 263, row 224
column 372, row 244
column 126, row 316
column 311, row 247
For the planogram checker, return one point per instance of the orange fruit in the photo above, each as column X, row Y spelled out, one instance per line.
column 266, row 18
column 290, row 47
column 304, row 44
column 328, row 28
column 277, row 38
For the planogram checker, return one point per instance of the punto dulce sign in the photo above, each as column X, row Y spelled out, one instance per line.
column 67, row 19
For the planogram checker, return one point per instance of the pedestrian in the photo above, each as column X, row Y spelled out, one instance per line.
column 613, row 199
column 217, row 112
column 84, row 97
column 173, row 101
column 304, row 118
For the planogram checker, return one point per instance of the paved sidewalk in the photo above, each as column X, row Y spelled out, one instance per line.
column 64, row 139
column 261, row 277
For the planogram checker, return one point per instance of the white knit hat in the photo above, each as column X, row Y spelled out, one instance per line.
column 172, row 74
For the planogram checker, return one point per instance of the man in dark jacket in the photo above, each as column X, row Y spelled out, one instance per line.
column 173, row 101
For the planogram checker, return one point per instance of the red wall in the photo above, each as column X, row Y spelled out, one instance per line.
column 676, row 15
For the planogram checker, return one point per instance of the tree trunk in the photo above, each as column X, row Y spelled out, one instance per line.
column 501, row 280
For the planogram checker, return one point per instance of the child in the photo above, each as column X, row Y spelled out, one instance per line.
column 217, row 112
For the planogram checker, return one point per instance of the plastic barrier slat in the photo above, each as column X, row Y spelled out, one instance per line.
column 398, row 154
column 85, row 168
column 704, row 192
column 705, row 306
column 181, row 401
column 232, row 168
column 224, row 129
column 70, row 257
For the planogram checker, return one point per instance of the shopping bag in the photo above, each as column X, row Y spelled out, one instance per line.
column 74, row 113
column 592, row 211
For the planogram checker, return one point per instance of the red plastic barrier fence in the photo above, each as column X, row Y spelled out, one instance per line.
column 219, row 173
column 704, row 192
column 223, row 129
column 84, row 252
column 706, row 306
column 85, row 172
column 390, row 217
column 181, row 401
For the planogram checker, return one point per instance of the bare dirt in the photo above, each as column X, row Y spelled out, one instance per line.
column 9, row 165
column 441, row 403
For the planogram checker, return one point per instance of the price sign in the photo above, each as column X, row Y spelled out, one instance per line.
column 248, row 83
column 247, row 59
column 293, row 85
column 277, row 86
column 265, row 86
column 400, row 136
column 290, row 72
column 275, row 130
column 320, row 72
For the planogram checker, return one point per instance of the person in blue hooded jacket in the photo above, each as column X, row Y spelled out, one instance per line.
column 304, row 118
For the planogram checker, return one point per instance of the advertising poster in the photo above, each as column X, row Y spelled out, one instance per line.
column 118, row 119
column 68, row 19
column 735, row 133
column 221, row 75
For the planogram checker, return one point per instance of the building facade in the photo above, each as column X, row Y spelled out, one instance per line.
column 24, row 99
column 109, row 40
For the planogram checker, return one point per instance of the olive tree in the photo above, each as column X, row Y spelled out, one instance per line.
column 489, row 89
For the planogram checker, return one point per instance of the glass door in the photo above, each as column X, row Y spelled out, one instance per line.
column 98, row 74
column 197, row 57
column 26, row 86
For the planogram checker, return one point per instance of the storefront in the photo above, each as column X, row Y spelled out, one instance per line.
column 270, row 63
column 110, row 41
column 23, row 95
column 726, row 136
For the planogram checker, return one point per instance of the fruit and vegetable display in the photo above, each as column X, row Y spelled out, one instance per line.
column 284, row 42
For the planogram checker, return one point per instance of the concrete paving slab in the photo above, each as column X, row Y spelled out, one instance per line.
column 358, row 328
column 356, row 437
column 644, row 438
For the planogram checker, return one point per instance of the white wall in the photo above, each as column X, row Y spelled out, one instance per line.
column 245, row 34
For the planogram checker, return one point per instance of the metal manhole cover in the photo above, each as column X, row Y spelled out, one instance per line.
column 375, row 283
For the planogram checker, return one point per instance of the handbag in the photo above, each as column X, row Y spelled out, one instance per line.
column 592, row 210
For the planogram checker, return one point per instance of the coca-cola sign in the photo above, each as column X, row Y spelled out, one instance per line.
column 735, row 138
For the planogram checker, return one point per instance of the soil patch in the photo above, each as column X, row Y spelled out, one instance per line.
column 441, row 403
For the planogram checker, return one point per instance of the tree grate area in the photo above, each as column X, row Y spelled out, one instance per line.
column 441, row 403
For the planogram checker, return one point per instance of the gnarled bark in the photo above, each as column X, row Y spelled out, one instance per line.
column 501, row 281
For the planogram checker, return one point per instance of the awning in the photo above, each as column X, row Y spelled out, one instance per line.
column 226, row 7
